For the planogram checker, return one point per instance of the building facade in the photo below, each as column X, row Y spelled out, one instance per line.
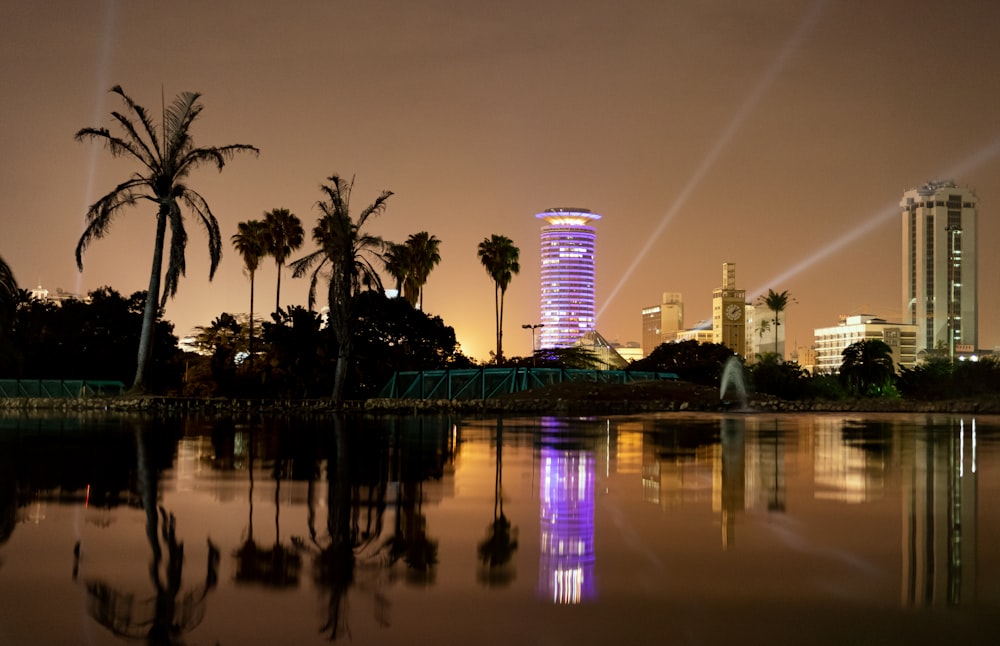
column 939, row 291
column 567, row 276
column 661, row 323
column 831, row 341
column 729, row 312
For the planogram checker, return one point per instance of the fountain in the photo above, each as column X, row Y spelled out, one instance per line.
column 732, row 377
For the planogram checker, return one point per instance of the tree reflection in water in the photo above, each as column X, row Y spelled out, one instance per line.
column 170, row 612
column 497, row 550
column 278, row 566
column 354, row 553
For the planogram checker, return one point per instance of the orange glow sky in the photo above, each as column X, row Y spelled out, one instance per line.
column 704, row 131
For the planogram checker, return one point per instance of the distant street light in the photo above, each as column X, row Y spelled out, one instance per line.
column 532, row 327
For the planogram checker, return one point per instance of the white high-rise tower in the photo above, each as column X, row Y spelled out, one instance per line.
column 939, row 266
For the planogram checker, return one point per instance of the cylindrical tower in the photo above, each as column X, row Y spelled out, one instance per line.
column 567, row 297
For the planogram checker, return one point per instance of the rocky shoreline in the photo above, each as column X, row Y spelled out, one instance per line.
column 585, row 403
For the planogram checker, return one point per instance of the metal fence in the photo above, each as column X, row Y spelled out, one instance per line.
column 59, row 388
column 484, row 383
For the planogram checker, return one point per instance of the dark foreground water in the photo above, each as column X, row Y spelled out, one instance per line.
column 746, row 529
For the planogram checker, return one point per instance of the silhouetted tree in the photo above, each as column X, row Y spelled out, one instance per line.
column 166, row 158
column 346, row 254
column 285, row 235
column 782, row 379
column 867, row 369
column 390, row 336
column 776, row 302
column 501, row 259
column 251, row 241
column 423, row 256
column 699, row 363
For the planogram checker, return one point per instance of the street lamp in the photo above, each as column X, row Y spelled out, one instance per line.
column 532, row 327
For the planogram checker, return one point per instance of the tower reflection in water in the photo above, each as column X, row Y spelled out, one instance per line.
column 940, row 517
column 566, row 495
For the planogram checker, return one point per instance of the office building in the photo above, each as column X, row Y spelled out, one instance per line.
column 661, row 323
column 567, row 276
column 939, row 267
column 831, row 341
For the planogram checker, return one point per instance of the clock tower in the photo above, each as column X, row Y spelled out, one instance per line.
column 729, row 312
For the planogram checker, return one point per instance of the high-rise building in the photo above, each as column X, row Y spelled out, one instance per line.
column 661, row 323
column 567, row 274
column 729, row 312
column 939, row 266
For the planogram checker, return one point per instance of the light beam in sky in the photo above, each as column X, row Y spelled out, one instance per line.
column 103, row 68
column 880, row 217
column 748, row 106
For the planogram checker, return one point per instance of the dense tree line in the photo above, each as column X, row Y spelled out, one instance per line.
column 92, row 339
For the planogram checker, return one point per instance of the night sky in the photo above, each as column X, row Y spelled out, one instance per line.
column 777, row 134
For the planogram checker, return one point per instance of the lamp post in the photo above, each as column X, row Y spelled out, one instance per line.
column 532, row 327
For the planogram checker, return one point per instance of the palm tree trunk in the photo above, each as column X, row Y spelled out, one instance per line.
column 250, row 341
column 140, row 385
column 496, row 306
column 500, row 329
column 277, row 295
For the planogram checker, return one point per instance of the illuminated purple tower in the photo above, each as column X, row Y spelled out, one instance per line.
column 567, row 276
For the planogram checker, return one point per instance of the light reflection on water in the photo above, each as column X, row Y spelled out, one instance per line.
column 696, row 529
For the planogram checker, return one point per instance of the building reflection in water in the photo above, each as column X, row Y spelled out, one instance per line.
column 940, row 519
column 566, row 496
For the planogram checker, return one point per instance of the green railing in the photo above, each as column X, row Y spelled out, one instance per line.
column 59, row 388
column 484, row 383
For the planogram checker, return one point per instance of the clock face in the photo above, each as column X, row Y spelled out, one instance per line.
column 734, row 312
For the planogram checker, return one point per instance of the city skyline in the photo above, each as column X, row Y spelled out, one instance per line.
column 777, row 136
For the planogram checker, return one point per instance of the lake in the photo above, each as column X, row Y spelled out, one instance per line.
column 660, row 528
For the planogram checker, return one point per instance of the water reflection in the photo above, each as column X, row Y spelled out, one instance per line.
column 170, row 612
column 941, row 517
column 368, row 520
column 497, row 549
column 566, row 496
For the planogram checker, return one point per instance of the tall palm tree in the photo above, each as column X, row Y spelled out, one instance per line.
column 347, row 253
column 285, row 235
column 166, row 157
column 776, row 302
column 251, row 242
column 397, row 262
column 500, row 258
column 424, row 256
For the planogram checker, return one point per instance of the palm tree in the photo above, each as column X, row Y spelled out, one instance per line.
column 8, row 286
column 500, row 258
column 285, row 235
column 347, row 253
column 867, row 368
column 776, row 302
column 397, row 262
column 251, row 242
column 166, row 158
column 423, row 257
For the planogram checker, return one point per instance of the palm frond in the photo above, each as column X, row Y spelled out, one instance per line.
column 199, row 206
column 217, row 155
column 177, row 120
column 176, row 265
column 101, row 214
column 374, row 208
column 147, row 123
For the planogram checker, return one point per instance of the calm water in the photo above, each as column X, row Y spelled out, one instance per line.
column 651, row 529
